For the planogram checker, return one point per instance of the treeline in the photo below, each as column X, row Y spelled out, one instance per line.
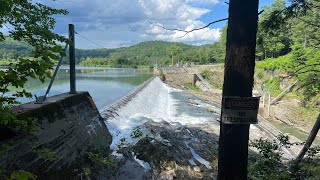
column 11, row 50
column 142, row 54
column 293, row 48
column 303, row 30
column 160, row 52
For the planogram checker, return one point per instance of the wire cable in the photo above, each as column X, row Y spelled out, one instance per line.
column 90, row 40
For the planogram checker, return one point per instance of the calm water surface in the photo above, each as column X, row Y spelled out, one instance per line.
column 106, row 85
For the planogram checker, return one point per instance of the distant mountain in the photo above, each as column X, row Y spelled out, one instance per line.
column 10, row 49
column 145, row 53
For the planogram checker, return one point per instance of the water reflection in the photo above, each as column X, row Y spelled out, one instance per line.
column 105, row 85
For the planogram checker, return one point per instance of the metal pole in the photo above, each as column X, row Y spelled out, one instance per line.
column 72, row 60
column 42, row 99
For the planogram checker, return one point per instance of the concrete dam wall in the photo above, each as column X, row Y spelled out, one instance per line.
column 68, row 124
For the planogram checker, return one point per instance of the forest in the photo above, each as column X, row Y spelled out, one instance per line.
column 291, row 48
column 142, row 54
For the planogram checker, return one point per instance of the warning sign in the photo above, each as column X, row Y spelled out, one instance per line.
column 239, row 110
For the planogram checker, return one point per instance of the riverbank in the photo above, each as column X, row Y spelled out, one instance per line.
column 287, row 114
column 166, row 133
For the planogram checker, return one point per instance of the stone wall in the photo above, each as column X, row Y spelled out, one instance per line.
column 67, row 126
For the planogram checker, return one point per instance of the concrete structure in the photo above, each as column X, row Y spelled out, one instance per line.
column 68, row 124
column 201, row 83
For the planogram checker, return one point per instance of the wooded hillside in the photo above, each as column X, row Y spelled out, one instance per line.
column 145, row 54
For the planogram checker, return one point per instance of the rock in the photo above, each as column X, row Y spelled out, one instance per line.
column 197, row 169
column 170, row 162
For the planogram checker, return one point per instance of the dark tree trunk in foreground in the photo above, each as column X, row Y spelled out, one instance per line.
column 238, row 81
column 309, row 141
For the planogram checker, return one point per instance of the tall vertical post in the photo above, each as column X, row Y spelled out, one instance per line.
column 72, row 60
column 238, row 81
column 269, row 104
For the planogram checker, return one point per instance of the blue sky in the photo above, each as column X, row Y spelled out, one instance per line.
column 116, row 23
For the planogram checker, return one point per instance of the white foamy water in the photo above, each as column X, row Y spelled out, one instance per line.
column 156, row 102
column 198, row 157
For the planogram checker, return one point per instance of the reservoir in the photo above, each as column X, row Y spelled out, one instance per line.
column 106, row 85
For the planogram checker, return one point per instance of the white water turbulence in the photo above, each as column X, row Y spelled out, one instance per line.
column 197, row 157
column 156, row 102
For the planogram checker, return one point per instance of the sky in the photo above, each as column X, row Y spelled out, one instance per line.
column 118, row 23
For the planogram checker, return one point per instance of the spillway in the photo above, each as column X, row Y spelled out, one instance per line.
column 155, row 101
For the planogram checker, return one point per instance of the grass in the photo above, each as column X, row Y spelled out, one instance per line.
column 190, row 86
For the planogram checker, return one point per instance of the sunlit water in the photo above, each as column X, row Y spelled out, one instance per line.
column 105, row 85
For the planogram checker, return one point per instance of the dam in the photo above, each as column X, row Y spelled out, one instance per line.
column 150, row 126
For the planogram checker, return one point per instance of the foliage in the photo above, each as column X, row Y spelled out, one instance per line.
column 191, row 87
column 207, row 73
column 142, row 54
column 306, row 63
column 94, row 62
column 101, row 158
column 94, row 160
column 29, row 48
column 122, row 143
column 48, row 154
column 86, row 171
column 272, row 42
column 273, row 85
column 281, row 63
column 136, row 133
column 260, row 74
column 268, row 165
column 303, row 64
column 30, row 26
column 269, row 150
column 22, row 175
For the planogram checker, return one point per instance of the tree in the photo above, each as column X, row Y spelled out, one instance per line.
column 173, row 51
column 309, row 141
column 304, row 16
column 273, row 42
column 32, row 23
column 238, row 81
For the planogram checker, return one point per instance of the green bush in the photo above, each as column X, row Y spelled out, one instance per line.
column 260, row 74
column 207, row 73
column 273, row 85
column 268, row 164
column 281, row 63
column 190, row 86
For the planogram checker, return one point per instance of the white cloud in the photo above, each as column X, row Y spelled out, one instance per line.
column 122, row 22
column 202, row 2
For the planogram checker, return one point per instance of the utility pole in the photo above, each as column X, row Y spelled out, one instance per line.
column 72, row 60
column 238, row 82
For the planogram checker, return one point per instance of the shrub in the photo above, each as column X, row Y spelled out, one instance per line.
column 207, row 73
column 260, row 74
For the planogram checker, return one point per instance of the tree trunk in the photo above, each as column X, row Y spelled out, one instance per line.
column 309, row 141
column 238, row 81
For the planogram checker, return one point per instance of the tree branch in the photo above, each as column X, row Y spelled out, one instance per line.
column 311, row 70
column 309, row 23
column 306, row 84
column 305, row 66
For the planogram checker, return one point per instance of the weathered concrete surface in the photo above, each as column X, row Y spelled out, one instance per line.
column 67, row 125
column 201, row 83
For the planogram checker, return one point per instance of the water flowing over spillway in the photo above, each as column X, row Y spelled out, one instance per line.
column 157, row 102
